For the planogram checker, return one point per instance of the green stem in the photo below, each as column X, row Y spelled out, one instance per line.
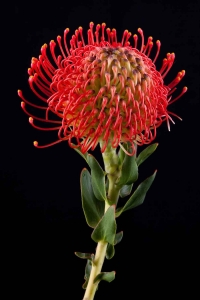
column 96, row 269
column 111, row 162
column 111, row 167
column 113, row 191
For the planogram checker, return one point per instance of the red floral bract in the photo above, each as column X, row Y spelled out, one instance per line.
column 104, row 90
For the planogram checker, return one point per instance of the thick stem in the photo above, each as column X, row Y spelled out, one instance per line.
column 113, row 191
column 111, row 167
column 111, row 162
column 96, row 269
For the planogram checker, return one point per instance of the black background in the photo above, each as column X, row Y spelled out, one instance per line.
column 44, row 224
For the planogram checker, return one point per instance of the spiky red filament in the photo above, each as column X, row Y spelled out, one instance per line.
column 103, row 89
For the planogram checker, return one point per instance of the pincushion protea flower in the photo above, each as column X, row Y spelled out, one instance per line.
column 103, row 90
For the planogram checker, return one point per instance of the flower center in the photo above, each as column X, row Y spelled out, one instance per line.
column 103, row 90
column 119, row 67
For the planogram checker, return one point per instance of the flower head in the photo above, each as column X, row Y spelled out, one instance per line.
column 103, row 90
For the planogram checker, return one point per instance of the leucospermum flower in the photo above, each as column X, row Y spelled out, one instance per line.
column 103, row 90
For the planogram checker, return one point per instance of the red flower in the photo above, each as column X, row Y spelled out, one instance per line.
column 103, row 90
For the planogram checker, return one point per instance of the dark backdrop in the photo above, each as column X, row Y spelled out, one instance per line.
column 44, row 224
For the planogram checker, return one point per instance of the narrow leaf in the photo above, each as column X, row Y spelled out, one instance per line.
column 98, row 178
column 106, row 228
column 121, row 154
column 88, row 269
column 110, row 251
column 146, row 153
column 138, row 196
column 125, row 190
column 92, row 207
column 118, row 237
column 129, row 172
column 107, row 276
column 85, row 255
column 84, row 286
column 87, row 274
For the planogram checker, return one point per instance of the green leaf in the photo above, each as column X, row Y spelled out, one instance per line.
column 110, row 251
column 84, row 286
column 125, row 190
column 118, row 237
column 107, row 276
column 87, row 273
column 146, row 153
column 106, row 228
column 121, row 154
column 88, row 268
column 92, row 207
column 129, row 172
column 138, row 196
column 98, row 178
column 85, row 255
